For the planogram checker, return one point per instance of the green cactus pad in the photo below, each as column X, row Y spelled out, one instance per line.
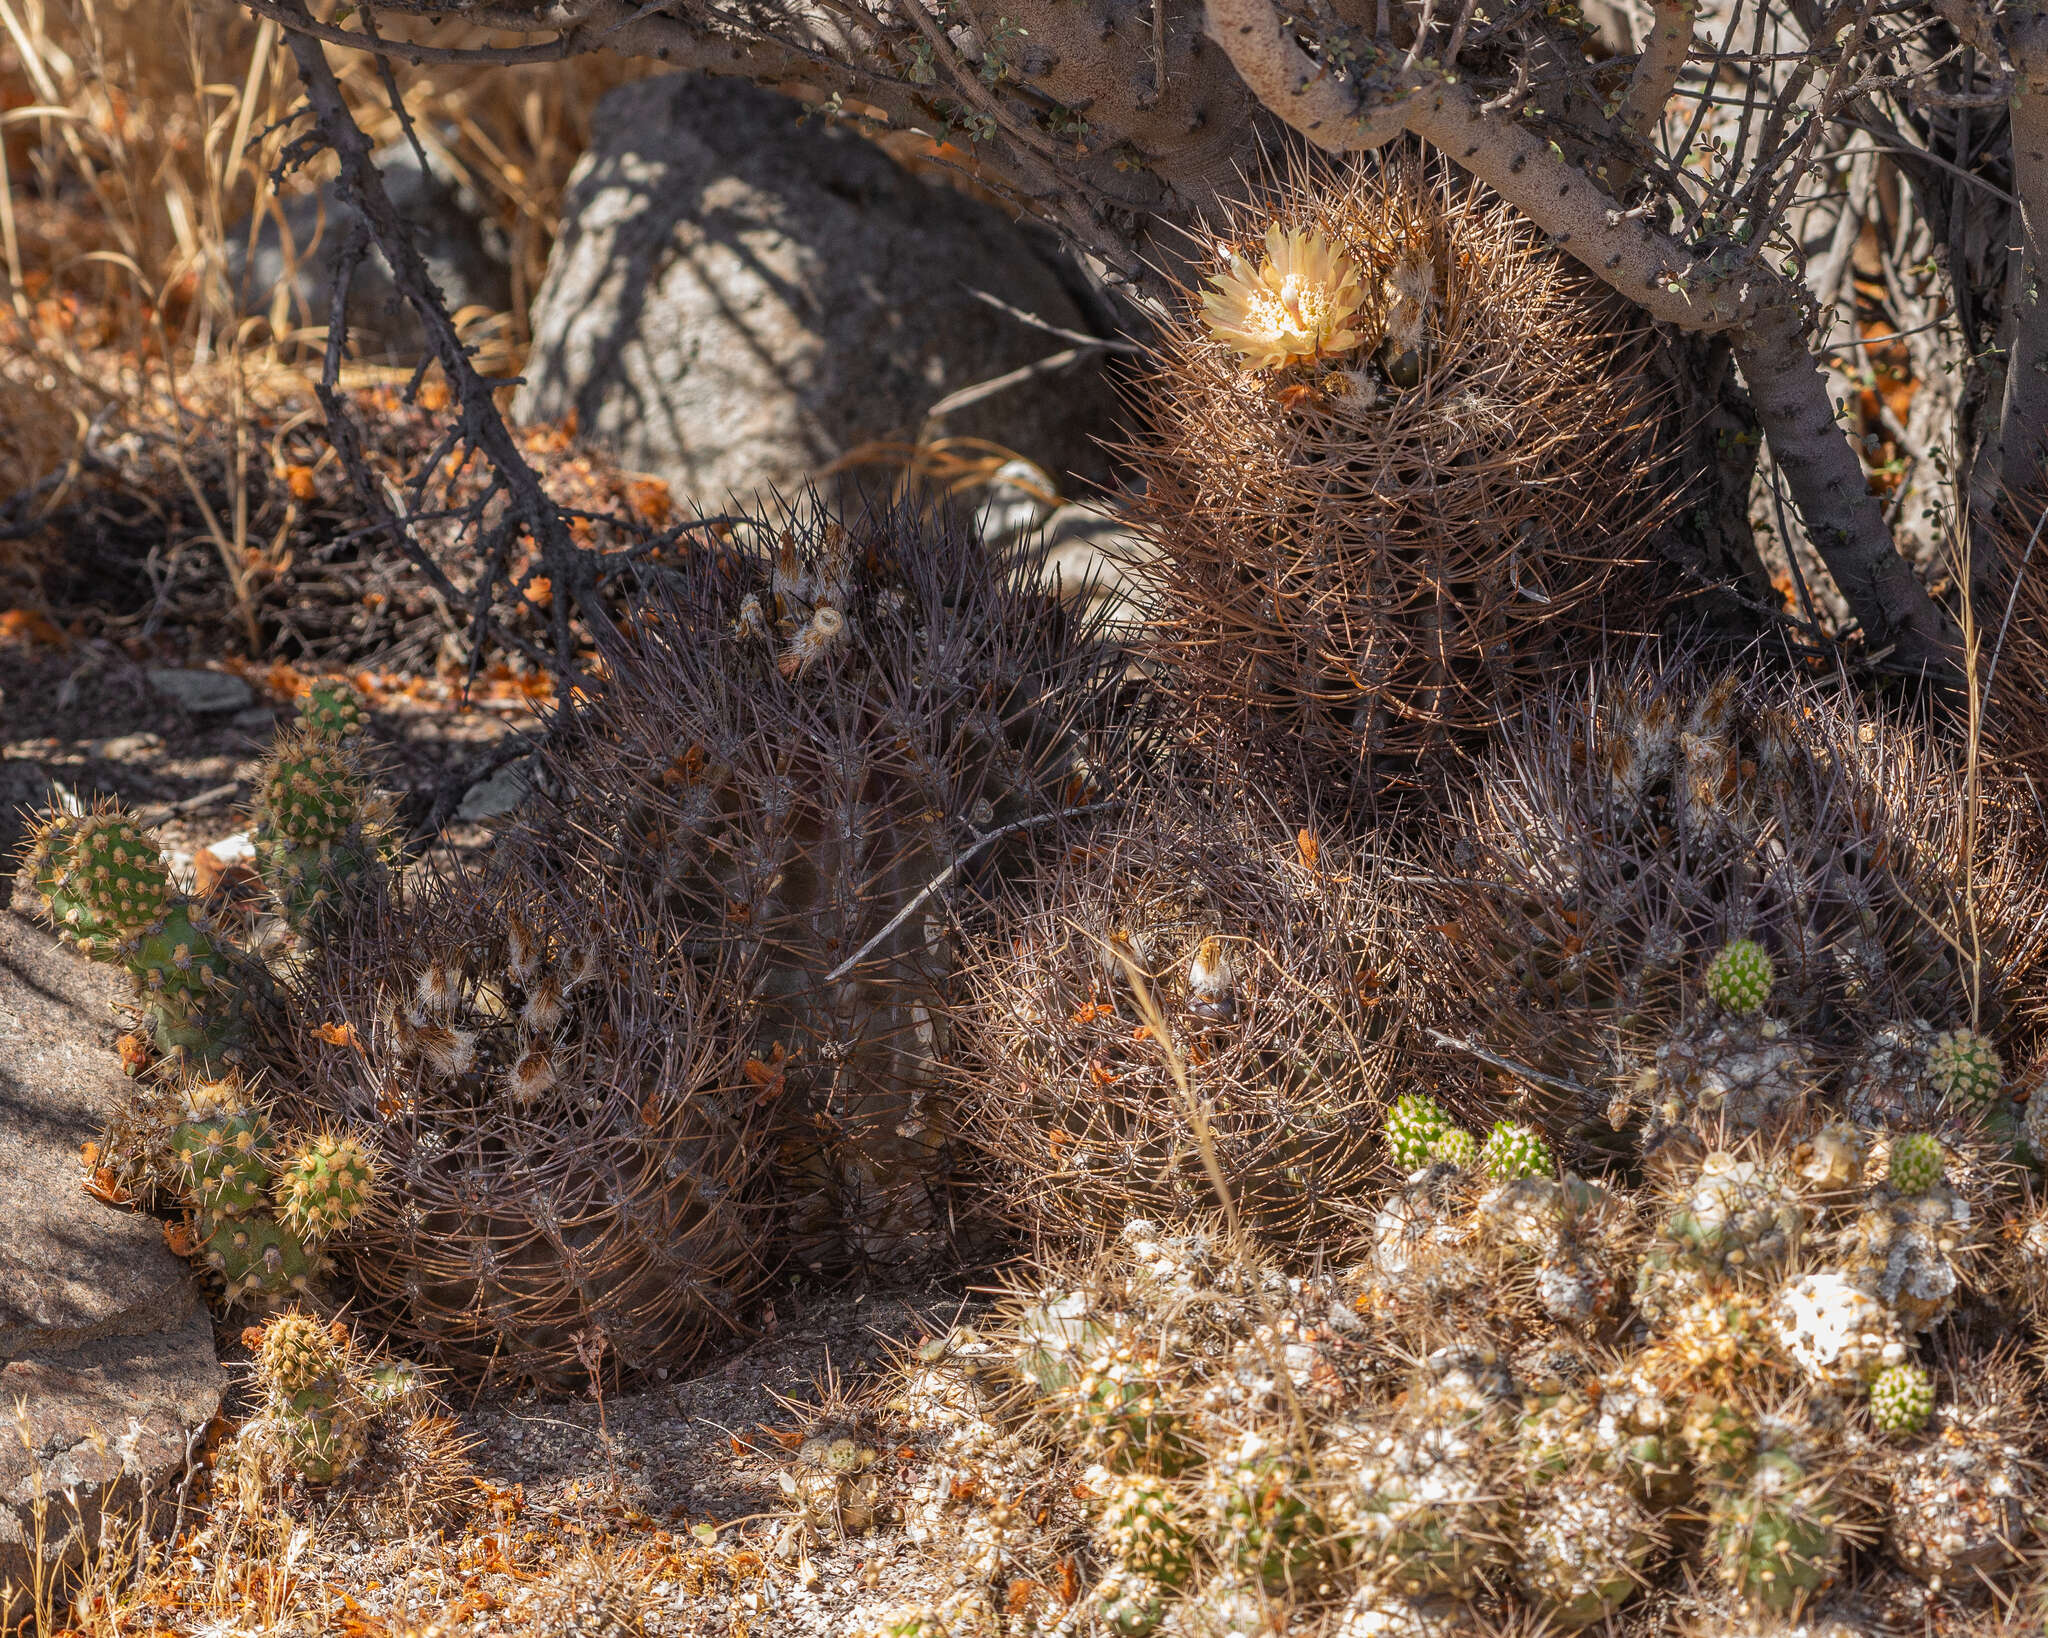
column 1415, row 1123
column 1149, row 1530
column 1456, row 1147
column 313, row 792
column 323, row 1186
column 224, row 1158
column 100, row 877
column 255, row 1256
column 332, row 708
column 1965, row 1068
column 195, row 993
column 1774, row 1537
column 297, row 1352
column 1901, row 1398
column 322, row 1445
column 1740, row 976
column 1513, row 1150
column 307, row 880
column 1916, row 1162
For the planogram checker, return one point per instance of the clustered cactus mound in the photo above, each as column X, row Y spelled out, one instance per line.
column 1399, row 467
column 790, row 747
column 1680, row 901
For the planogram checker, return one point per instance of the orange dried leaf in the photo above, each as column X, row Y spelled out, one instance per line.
column 1309, row 848
column 134, row 1050
column 300, row 481
column 337, row 1034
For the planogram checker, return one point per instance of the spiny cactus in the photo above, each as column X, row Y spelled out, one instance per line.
column 103, row 885
column 318, row 830
column 1366, row 553
column 1916, row 1162
column 1513, row 1150
column 1775, row 1534
column 1415, row 1126
column 1630, row 825
column 1901, row 1398
column 332, row 708
column 324, row 1186
column 1069, row 1087
column 812, row 755
column 223, row 1148
column 1739, row 977
column 570, row 1154
column 1455, row 1147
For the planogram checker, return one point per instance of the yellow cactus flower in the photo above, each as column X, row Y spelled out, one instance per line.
column 1297, row 305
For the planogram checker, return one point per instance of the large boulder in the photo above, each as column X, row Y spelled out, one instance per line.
column 740, row 295
column 104, row 1343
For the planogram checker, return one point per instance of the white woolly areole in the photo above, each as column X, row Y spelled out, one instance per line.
column 1840, row 1336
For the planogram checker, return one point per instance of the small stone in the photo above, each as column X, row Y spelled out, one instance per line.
column 202, row 693
column 497, row 796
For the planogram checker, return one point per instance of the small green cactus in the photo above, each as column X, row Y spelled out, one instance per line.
column 223, row 1149
column 1720, row 1437
column 1267, row 1528
column 1965, row 1068
column 1129, row 1605
column 1513, row 1151
column 1416, row 1122
column 1901, row 1398
column 1740, row 976
column 333, row 709
column 1581, row 1552
column 1774, row 1537
column 1149, row 1530
column 296, row 1353
column 1456, row 1147
column 1091, row 1379
column 322, row 1430
column 324, row 1186
column 1916, row 1162
column 255, row 1256
column 313, row 791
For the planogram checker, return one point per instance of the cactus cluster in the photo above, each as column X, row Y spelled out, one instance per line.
column 815, row 756
column 261, row 1210
column 1691, row 902
column 572, row 1153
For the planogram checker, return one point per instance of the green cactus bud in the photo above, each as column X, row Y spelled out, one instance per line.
column 313, row 791
column 1901, row 1398
column 1513, row 1150
column 297, row 1353
column 1456, row 1147
column 391, row 1385
column 1916, row 1162
column 333, row 709
column 324, row 1186
column 1740, row 976
column 1774, row 1537
column 254, row 1255
column 1149, row 1531
column 1416, row 1121
column 1965, row 1068
column 223, row 1150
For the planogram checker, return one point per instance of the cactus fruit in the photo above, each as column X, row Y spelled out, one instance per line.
column 1513, row 1150
column 817, row 822
column 1079, row 1106
column 1966, row 1068
column 1739, row 977
column 324, row 1186
column 1774, row 1535
column 1455, row 1147
column 1901, row 1398
column 1415, row 1125
column 517, row 1211
column 1916, row 1162
column 332, row 708
column 1311, row 597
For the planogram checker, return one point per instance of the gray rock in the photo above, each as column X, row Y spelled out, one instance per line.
column 203, row 693
column 737, row 298
column 103, row 1337
column 495, row 797
column 463, row 248
column 1014, row 504
column 1092, row 557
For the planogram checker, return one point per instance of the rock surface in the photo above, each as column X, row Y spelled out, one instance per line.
column 103, row 1337
column 738, row 298
column 203, row 693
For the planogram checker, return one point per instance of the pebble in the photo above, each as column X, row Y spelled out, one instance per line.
column 203, row 693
